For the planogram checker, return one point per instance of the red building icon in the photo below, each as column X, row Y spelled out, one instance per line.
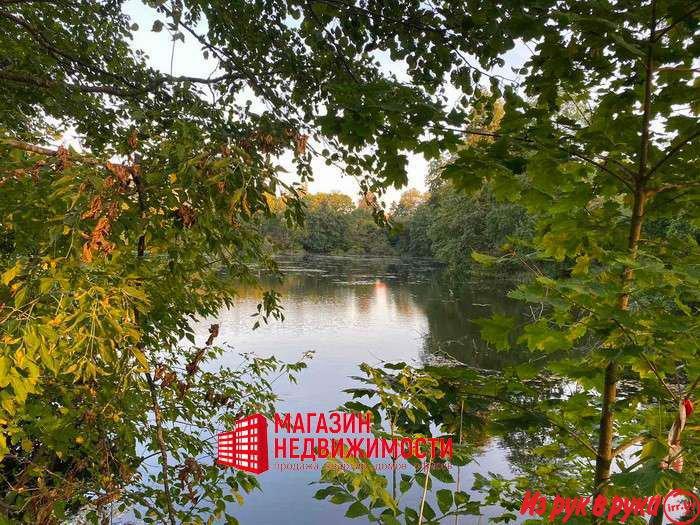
column 245, row 447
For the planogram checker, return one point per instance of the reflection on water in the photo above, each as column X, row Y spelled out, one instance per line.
column 351, row 311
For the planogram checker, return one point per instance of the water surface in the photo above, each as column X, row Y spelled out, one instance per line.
column 349, row 311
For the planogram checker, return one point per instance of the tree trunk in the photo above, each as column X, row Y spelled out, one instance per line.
column 605, row 440
column 605, row 443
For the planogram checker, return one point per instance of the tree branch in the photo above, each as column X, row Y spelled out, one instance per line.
column 653, row 368
column 414, row 23
column 674, row 186
column 25, row 146
column 528, row 410
column 130, row 90
column 163, row 448
column 662, row 32
column 14, row 2
column 332, row 46
column 599, row 165
column 49, row 152
column 648, row 361
column 56, row 52
column 692, row 387
column 225, row 56
column 45, row 83
column 160, row 438
column 646, row 102
column 675, row 149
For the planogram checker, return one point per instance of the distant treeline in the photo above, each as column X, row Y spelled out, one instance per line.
column 443, row 224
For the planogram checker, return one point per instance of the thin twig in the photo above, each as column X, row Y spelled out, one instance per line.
column 425, row 487
column 141, row 250
column 461, row 414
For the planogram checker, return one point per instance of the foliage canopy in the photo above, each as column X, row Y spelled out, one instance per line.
column 111, row 248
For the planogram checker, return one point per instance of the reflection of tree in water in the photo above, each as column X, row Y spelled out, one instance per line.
column 521, row 444
column 525, row 422
column 411, row 289
column 451, row 327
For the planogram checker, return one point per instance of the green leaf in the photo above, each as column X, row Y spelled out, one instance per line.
column 405, row 483
column 421, row 480
column 27, row 445
column 444, row 499
column 482, row 258
column 356, row 510
column 527, row 370
column 496, row 330
column 461, row 498
column 683, row 307
column 583, row 262
column 441, row 473
column 428, row 511
column 388, row 518
column 21, row 296
column 341, row 497
column 5, row 365
column 539, row 336
column 59, row 509
column 625, row 44
column 322, row 493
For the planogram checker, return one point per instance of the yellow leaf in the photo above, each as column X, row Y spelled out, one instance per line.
column 5, row 365
column 11, row 273
column 3, row 447
column 583, row 262
column 7, row 404
column 140, row 357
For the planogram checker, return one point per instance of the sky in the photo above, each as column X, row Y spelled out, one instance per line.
column 187, row 60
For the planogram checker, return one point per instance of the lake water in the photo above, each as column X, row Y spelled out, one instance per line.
column 349, row 311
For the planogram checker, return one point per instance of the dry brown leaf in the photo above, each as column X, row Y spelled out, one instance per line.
column 95, row 208
column 133, row 140
column 301, row 141
column 187, row 215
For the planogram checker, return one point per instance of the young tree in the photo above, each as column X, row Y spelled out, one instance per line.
column 600, row 138
column 626, row 309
